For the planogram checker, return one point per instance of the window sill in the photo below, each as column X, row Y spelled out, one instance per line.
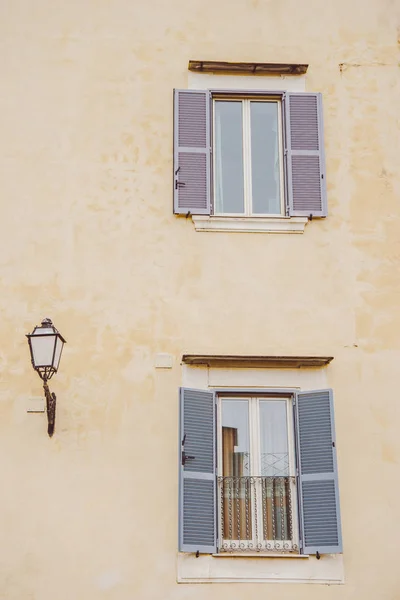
column 258, row 555
column 258, row 569
column 250, row 224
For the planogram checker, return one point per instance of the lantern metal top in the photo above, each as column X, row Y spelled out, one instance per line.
column 46, row 324
column 45, row 344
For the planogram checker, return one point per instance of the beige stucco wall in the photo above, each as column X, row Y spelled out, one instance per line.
column 88, row 238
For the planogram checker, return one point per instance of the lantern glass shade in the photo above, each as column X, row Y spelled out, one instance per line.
column 46, row 345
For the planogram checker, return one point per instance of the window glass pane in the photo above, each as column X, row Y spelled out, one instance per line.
column 43, row 349
column 235, row 438
column 229, row 187
column 274, row 438
column 265, row 157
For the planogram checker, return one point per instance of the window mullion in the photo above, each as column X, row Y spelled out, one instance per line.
column 249, row 168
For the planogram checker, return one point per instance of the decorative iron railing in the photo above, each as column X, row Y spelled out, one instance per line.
column 256, row 514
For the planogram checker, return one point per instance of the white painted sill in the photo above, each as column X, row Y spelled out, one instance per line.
column 260, row 569
column 250, row 224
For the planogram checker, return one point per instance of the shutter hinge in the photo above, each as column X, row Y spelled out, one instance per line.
column 185, row 457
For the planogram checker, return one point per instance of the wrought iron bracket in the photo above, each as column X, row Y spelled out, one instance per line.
column 50, row 408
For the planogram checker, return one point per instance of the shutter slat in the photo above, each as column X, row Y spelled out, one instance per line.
column 192, row 154
column 318, row 481
column 305, row 155
column 197, row 490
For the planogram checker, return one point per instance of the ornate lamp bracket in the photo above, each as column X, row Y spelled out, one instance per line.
column 50, row 408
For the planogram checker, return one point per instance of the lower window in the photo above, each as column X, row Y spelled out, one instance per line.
column 257, row 508
column 258, row 472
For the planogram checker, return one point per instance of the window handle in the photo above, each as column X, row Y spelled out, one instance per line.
column 186, row 457
column 179, row 184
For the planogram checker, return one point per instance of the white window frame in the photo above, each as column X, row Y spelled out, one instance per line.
column 259, row 544
column 276, row 224
column 246, row 140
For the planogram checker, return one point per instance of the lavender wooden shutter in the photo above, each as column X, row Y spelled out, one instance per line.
column 197, row 467
column 305, row 157
column 318, row 480
column 192, row 152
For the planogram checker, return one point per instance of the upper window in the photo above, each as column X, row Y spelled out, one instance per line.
column 248, row 154
column 248, row 157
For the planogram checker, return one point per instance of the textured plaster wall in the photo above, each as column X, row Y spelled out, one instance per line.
column 88, row 238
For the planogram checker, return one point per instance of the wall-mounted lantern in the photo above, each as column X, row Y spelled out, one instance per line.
column 46, row 344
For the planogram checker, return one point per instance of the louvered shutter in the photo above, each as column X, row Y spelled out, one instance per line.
column 192, row 153
column 318, row 480
column 197, row 482
column 305, row 156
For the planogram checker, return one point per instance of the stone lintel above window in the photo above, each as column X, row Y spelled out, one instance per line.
column 215, row 66
column 237, row 361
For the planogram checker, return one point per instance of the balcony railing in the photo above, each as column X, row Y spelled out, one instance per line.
column 256, row 514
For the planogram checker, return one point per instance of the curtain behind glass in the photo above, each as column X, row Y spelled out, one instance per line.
column 275, row 468
column 236, row 496
column 274, row 438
